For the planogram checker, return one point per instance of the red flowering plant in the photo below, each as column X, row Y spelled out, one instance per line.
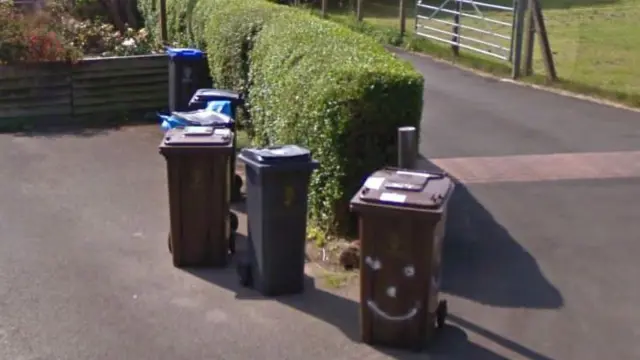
column 45, row 46
column 33, row 37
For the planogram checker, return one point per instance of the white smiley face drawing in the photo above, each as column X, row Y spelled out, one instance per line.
column 391, row 291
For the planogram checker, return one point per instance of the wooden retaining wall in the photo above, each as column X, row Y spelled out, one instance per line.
column 97, row 89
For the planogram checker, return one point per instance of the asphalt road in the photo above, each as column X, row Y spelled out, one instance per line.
column 534, row 269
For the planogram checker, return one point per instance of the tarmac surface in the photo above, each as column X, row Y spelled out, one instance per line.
column 539, row 255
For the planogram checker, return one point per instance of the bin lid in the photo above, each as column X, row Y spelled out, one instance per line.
column 406, row 188
column 277, row 154
column 197, row 136
column 184, row 53
column 203, row 117
column 203, row 95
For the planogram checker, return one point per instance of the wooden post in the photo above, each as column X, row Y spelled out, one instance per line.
column 517, row 41
column 163, row 22
column 323, row 9
column 359, row 14
column 455, row 47
column 545, row 48
column 403, row 19
column 530, row 34
column 513, row 30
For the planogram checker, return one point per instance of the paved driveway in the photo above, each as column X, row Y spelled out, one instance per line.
column 542, row 243
column 85, row 272
column 536, row 267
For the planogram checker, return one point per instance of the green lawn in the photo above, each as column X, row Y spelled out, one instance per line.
column 596, row 43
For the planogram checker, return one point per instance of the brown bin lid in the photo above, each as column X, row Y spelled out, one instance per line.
column 406, row 188
column 198, row 136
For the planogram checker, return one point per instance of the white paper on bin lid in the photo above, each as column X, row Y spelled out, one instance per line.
column 198, row 130
column 374, row 182
column 393, row 197
column 222, row 132
column 426, row 175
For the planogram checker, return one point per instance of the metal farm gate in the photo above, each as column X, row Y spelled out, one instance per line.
column 478, row 26
column 494, row 28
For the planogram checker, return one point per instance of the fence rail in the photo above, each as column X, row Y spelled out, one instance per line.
column 469, row 26
column 94, row 88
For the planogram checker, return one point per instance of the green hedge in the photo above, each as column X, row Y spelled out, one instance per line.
column 309, row 82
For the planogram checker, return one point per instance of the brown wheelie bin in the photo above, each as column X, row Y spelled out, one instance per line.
column 401, row 227
column 199, row 194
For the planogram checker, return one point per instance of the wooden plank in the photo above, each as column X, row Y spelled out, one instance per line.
column 107, row 94
column 122, row 63
column 116, row 83
column 62, row 109
column 120, row 99
column 40, row 82
column 545, row 47
column 34, row 103
column 146, row 100
column 124, row 69
column 118, row 96
column 95, row 87
column 9, row 72
column 89, row 60
column 34, row 94
column 122, row 108
column 102, row 74
column 530, row 34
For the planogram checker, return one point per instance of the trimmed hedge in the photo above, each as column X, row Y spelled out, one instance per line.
column 310, row 82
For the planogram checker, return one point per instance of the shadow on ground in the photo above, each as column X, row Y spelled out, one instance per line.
column 484, row 263
column 452, row 343
column 343, row 313
column 78, row 130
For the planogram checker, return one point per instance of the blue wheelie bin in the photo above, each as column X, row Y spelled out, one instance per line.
column 188, row 72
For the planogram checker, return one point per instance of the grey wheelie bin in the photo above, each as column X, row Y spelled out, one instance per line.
column 402, row 218
column 277, row 188
column 199, row 191
column 188, row 72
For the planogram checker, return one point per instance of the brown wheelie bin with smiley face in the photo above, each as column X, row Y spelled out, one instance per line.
column 401, row 227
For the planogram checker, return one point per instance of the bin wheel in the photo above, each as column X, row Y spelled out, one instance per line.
column 244, row 274
column 232, row 243
column 169, row 242
column 236, row 193
column 233, row 221
column 441, row 313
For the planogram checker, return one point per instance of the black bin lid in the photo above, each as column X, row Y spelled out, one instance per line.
column 197, row 136
column 277, row 154
column 215, row 94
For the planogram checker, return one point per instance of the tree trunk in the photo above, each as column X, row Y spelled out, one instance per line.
column 114, row 14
